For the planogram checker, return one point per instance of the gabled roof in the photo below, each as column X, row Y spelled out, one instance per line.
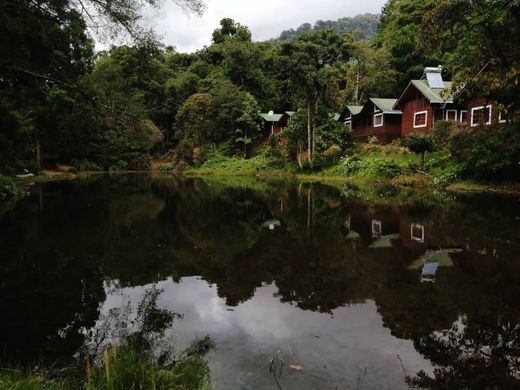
column 348, row 111
column 354, row 110
column 386, row 105
column 271, row 117
column 433, row 95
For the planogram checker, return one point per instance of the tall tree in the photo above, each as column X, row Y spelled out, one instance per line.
column 313, row 59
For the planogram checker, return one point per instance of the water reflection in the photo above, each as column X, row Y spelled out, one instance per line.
column 315, row 275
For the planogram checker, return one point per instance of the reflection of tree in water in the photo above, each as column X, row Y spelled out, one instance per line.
column 141, row 230
column 482, row 348
column 144, row 328
column 470, row 356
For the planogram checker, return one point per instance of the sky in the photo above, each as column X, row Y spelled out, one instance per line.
column 265, row 18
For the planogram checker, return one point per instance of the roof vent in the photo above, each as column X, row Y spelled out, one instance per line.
column 434, row 77
column 271, row 113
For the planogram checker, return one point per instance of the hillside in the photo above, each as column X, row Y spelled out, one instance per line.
column 365, row 24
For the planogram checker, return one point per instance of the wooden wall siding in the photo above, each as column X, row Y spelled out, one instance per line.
column 363, row 128
column 409, row 110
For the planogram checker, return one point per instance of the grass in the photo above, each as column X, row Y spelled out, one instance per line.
column 221, row 165
column 121, row 368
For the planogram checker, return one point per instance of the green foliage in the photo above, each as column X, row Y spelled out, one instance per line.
column 126, row 367
column 195, row 119
column 482, row 42
column 9, row 189
column 399, row 34
column 420, row 143
column 488, row 152
column 364, row 26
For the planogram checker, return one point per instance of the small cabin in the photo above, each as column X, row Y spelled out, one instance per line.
column 270, row 123
column 430, row 99
column 346, row 115
column 377, row 119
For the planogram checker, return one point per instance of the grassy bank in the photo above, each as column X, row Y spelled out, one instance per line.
column 364, row 165
column 120, row 368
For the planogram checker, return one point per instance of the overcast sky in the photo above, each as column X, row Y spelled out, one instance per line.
column 265, row 18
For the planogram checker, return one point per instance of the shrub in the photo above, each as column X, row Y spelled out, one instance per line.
column 8, row 188
column 351, row 165
column 373, row 140
column 332, row 154
column 385, row 169
column 420, row 143
column 488, row 152
column 86, row 166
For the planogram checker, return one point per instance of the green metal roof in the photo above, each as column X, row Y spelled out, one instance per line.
column 386, row 105
column 354, row 110
column 271, row 117
column 290, row 113
column 335, row 116
column 434, row 95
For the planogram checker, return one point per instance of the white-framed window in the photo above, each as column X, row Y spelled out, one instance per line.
column 451, row 115
column 502, row 117
column 348, row 124
column 417, row 232
column 420, row 119
column 378, row 120
column 377, row 228
column 463, row 116
column 481, row 115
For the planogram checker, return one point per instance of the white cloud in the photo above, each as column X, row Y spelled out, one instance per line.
column 266, row 18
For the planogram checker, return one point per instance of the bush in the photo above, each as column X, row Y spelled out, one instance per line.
column 442, row 132
column 86, row 166
column 9, row 189
column 488, row 152
column 351, row 165
column 332, row 154
column 420, row 143
column 385, row 169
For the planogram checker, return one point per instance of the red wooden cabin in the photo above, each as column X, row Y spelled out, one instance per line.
column 377, row 119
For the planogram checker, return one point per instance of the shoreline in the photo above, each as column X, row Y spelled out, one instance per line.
column 418, row 182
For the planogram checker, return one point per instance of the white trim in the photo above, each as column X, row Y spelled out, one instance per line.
column 348, row 123
column 415, row 119
column 489, row 107
column 460, row 115
column 377, row 228
column 421, row 228
column 382, row 119
column 500, row 120
column 448, row 113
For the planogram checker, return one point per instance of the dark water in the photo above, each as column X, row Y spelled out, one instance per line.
column 360, row 294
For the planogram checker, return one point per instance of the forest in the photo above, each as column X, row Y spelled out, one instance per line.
column 117, row 110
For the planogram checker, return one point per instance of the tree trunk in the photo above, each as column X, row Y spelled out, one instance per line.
column 309, row 132
column 38, row 154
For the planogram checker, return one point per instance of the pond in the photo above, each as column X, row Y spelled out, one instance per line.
column 299, row 285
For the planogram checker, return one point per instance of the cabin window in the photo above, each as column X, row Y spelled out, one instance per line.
column 348, row 124
column 463, row 116
column 502, row 118
column 377, row 229
column 481, row 115
column 451, row 115
column 417, row 232
column 420, row 119
column 378, row 120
